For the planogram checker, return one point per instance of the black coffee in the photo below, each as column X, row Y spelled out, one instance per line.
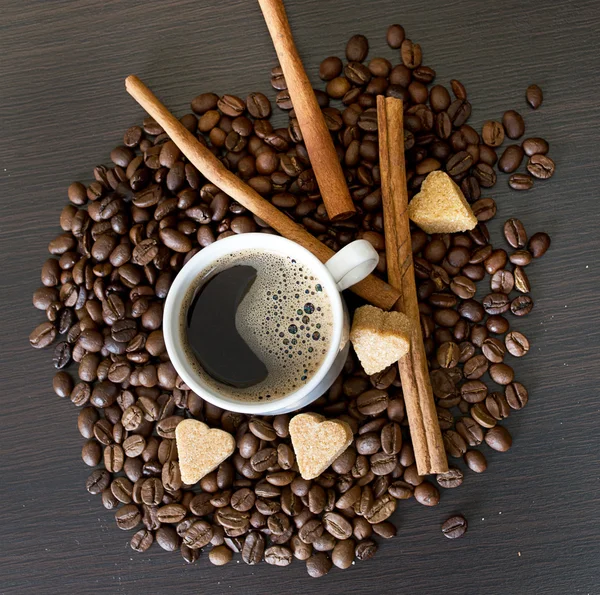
column 257, row 325
column 212, row 334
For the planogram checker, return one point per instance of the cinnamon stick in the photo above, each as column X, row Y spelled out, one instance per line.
column 425, row 431
column 372, row 289
column 316, row 135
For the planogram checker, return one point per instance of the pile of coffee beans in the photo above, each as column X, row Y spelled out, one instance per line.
column 127, row 233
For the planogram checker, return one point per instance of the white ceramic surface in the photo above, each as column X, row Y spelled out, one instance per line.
column 350, row 265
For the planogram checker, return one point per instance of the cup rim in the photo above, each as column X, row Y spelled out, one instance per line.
column 189, row 273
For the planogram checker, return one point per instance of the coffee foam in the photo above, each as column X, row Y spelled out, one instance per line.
column 285, row 318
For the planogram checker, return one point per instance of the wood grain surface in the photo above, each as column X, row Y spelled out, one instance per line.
column 533, row 516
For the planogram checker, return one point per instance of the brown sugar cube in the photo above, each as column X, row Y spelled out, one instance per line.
column 201, row 449
column 318, row 442
column 440, row 207
column 379, row 338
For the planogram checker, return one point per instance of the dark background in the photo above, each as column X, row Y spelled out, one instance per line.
column 533, row 516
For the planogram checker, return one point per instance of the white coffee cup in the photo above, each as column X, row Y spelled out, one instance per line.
column 347, row 267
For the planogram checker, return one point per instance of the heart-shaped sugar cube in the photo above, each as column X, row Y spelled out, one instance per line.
column 379, row 338
column 318, row 442
column 440, row 206
column 201, row 449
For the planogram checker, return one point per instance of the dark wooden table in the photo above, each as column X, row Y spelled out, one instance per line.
column 533, row 516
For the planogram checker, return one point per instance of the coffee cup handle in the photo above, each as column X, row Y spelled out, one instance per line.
column 352, row 263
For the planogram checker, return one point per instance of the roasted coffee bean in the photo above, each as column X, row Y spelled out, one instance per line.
column 243, row 499
column 142, row 540
column 391, row 438
column 43, row 335
column 167, row 538
column 496, row 303
column 104, row 394
column 262, row 429
column 454, row 527
column 476, row 461
column 122, row 489
column 427, row 494
column 521, row 280
column 521, row 258
column 128, row 517
column 493, row 350
column 482, row 416
column 497, row 406
column 539, row 244
column 442, row 385
column 231, row 105
column 330, row 68
column 278, row 556
column 459, row 163
column 502, row 281
column 516, row 343
column 453, row 478
column 198, row 535
column 381, row 509
column 521, row 306
column 357, row 48
column 91, row 453
column 535, row 146
column 497, row 324
column 220, row 555
column 80, row 394
column 473, row 391
column 365, row 549
column 541, row 166
column 318, row 565
column 233, row 519
column 454, row 444
column 86, row 419
column 534, row 96
column 264, row 459
column 448, row 354
column 520, row 182
column 470, row 431
column 492, row 133
column 516, row 395
column 445, row 418
column 254, row 547
column 383, row 380
column 485, row 175
column 311, row 530
column 152, row 491
column 463, row 287
column 411, row 54
column 372, row 402
column 342, row 555
column 513, row 123
column 511, row 159
column 395, row 36
column 62, row 356
column 357, row 73
column 498, row 438
column 484, row 209
column 204, row 102
column 401, row 490
column 98, row 481
column 171, row 513
column 515, row 234
column 114, row 458
column 476, row 367
column 337, row 525
column 382, row 463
